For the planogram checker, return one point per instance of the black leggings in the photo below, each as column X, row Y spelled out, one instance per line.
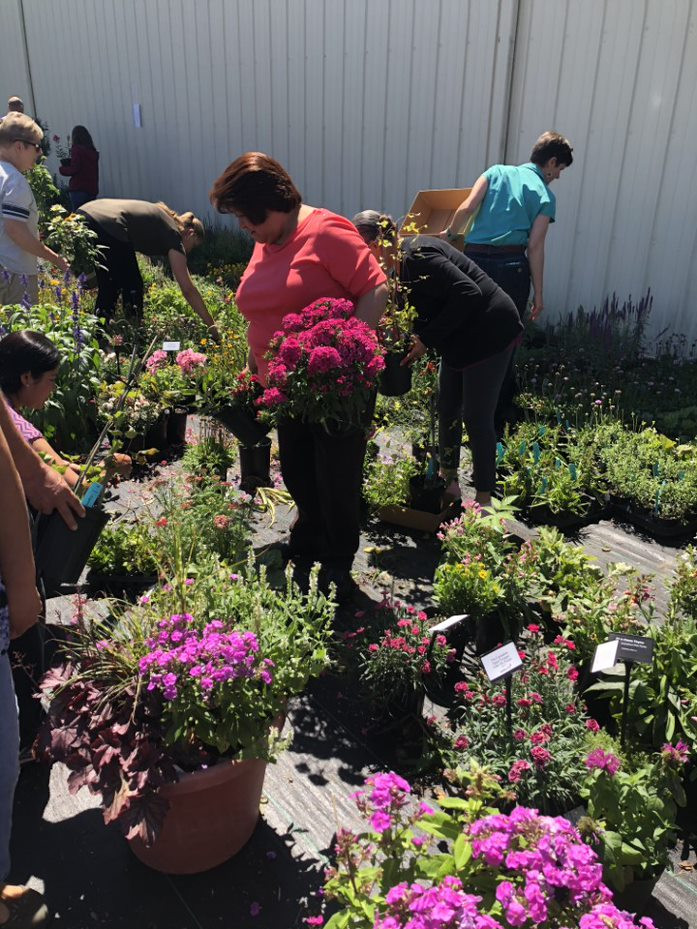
column 120, row 276
column 471, row 394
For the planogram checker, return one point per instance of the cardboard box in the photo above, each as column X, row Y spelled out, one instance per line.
column 433, row 210
column 417, row 519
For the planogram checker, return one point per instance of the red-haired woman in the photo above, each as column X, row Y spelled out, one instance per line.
column 301, row 254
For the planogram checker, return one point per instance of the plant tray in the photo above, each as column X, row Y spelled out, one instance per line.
column 542, row 516
column 417, row 519
column 656, row 526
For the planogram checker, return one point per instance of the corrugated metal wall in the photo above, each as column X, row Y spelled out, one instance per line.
column 368, row 101
column 364, row 101
column 618, row 78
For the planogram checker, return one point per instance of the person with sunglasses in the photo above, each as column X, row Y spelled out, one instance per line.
column 20, row 246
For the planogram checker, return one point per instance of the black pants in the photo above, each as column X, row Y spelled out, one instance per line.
column 512, row 273
column 323, row 474
column 28, row 666
column 120, row 276
column 471, row 394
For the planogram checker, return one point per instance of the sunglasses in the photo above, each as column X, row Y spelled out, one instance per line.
column 35, row 145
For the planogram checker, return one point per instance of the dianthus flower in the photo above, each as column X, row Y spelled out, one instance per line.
column 675, row 755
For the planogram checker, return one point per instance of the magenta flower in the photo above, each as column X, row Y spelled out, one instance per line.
column 603, row 761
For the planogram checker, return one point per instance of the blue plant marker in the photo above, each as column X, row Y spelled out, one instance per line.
column 567, row 424
column 544, row 485
column 657, row 504
column 92, row 494
column 573, row 471
column 431, row 469
column 681, row 475
column 536, row 452
column 500, row 453
column 557, row 463
column 542, row 430
column 558, row 419
column 656, row 469
column 523, row 447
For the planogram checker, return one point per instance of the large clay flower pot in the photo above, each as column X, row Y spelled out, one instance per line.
column 212, row 815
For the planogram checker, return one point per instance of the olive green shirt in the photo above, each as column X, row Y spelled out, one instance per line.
column 145, row 225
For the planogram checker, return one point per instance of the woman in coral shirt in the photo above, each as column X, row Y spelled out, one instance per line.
column 301, row 254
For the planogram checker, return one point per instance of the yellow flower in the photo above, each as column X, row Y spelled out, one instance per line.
column 54, row 282
column 483, row 574
column 204, row 341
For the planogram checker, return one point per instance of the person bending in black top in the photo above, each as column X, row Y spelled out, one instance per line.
column 470, row 322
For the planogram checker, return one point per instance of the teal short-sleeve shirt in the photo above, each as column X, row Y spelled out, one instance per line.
column 516, row 195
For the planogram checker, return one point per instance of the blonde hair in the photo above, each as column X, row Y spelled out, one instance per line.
column 19, row 127
column 184, row 221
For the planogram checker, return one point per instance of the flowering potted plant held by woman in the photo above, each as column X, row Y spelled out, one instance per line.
column 323, row 368
column 168, row 713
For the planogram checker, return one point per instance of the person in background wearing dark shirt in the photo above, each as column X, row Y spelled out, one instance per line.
column 82, row 168
column 470, row 322
column 125, row 227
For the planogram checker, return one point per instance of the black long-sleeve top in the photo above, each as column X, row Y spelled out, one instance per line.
column 461, row 312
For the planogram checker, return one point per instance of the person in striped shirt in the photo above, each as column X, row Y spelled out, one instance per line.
column 20, row 246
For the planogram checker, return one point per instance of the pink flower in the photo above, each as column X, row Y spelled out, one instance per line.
column 189, row 360
column 518, row 769
column 272, row 397
column 593, row 725
column 541, row 756
column 323, row 359
column 603, row 761
column 156, row 361
column 221, row 522
column 461, row 743
column 675, row 755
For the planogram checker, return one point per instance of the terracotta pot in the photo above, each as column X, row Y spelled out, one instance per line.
column 212, row 815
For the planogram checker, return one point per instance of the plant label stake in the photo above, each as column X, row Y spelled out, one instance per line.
column 500, row 452
column 171, row 346
column 502, row 663
column 630, row 649
column 92, row 495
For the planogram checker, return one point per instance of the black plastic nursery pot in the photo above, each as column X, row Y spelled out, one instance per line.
column 255, row 466
column 543, row 516
column 245, row 427
column 395, row 379
column 61, row 553
column 427, row 497
column 399, row 726
column 121, row 586
column 176, row 426
column 155, row 436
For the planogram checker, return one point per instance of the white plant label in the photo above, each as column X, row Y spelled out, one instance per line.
column 448, row 623
column 502, row 662
column 605, row 656
column 171, row 346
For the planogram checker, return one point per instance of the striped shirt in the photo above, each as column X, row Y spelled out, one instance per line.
column 28, row 432
column 16, row 202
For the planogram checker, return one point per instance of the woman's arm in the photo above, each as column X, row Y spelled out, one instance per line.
column 467, row 208
column 71, row 473
column 16, row 557
column 536, row 259
column 180, row 270
column 73, row 167
column 371, row 306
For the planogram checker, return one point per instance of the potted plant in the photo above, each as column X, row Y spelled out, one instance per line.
column 394, row 332
column 536, row 746
column 124, row 559
column 174, row 382
column 135, row 421
column 323, row 368
column 213, row 453
column 632, row 805
column 394, row 658
column 464, row 864
column 167, row 713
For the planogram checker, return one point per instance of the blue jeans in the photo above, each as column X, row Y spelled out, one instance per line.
column 512, row 273
column 9, row 761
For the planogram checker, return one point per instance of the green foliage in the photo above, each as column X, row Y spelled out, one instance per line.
column 70, row 236
column 683, row 588
column 212, row 455
column 633, row 812
column 125, row 549
column 387, row 480
column 69, row 418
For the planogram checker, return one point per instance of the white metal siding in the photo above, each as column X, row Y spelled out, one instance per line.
column 618, row 78
column 367, row 101
column 364, row 101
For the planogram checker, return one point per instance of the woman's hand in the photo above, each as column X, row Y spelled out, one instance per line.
column 417, row 350
column 24, row 606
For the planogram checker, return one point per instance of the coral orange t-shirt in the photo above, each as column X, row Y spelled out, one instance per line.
column 325, row 257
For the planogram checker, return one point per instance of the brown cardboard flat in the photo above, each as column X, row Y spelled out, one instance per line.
column 417, row 519
column 433, row 210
